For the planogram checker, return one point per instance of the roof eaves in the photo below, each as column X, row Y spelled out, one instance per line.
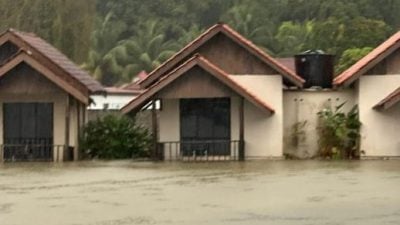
column 94, row 87
column 205, row 64
column 221, row 27
column 353, row 72
column 392, row 99
column 153, row 74
column 268, row 59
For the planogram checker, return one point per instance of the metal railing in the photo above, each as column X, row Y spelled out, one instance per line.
column 30, row 152
column 29, row 141
column 207, row 150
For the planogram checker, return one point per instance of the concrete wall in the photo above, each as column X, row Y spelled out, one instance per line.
column 263, row 131
column 169, row 126
column 303, row 106
column 30, row 86
column 380, row 129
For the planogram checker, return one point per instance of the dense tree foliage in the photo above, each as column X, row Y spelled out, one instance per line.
column 102, row 138
column 115, row 39
column 67, row 24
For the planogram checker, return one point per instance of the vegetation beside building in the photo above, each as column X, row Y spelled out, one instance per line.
column 339, row 133
column 116, row 39
column 115, row 137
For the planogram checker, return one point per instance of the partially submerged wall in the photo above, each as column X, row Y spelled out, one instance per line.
column 300, row 124
column 26, row 85
column 263, row 131
column 380, row 131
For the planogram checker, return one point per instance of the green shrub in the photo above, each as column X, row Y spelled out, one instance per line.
column 339, row 133
column 115, row 137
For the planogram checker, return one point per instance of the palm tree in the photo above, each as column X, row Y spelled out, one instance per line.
column 188, row 35
column 147, row 49
column 293, row 38
column 240, row 18
column 101, row 61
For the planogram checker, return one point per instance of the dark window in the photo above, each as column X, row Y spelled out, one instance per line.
column 28, row 125
column 205, row 126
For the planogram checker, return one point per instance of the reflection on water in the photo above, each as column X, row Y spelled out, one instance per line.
column 256, row 192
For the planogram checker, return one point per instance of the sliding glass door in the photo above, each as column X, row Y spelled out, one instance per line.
column 205, row 126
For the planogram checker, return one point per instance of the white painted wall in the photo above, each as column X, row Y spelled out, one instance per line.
column 111, row 101
column 303, row 105
column 168, row 126
column 380, row 129
column 263, row 132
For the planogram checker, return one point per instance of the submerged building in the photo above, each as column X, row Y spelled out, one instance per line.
column 223, row 97
column 43, row 100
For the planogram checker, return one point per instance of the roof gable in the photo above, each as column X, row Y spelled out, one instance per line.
column 224, row 29
column 391, row 100
column 51, row 58
column 369, row 61
column 25, row 57
column 204, row 64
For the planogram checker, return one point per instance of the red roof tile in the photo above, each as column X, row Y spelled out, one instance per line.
column 135, row 84
column 119, row 90
column 197, row 59
column 370, row 60
column 211, row 32
column 389, row 101
column 58, row 59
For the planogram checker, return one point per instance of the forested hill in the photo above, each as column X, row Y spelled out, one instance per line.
column 115, row 39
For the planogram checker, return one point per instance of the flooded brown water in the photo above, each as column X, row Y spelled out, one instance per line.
column 259, row 192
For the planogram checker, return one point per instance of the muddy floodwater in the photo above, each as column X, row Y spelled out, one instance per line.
column 254, row 192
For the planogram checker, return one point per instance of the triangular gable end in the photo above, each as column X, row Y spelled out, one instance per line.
column 24, row 57
column 368, row 62
column 191, row 49
column 54, row 60
column 150, row 93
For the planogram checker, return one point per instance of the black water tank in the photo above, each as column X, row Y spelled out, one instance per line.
column 316, row 68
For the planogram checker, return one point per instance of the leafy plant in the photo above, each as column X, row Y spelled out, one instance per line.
column 339, row 133
column 115, row 137
column 298, row 133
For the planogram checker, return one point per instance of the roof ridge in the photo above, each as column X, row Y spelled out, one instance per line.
column 256, row 48
column 367, row 59
column 241, row 40
column 36, row 42
column 198, row 38
column 204, row 63
column 22, row 32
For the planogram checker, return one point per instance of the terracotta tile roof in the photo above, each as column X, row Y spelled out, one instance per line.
column 370, row 60
column 120, row 90
column 208, row 34
column 26, row 57
column 198, row 60
column 59, row 59
column 135, row 84
column 142, row 75
column 389, row 101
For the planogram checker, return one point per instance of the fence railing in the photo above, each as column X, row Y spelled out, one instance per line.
column 30, row 152
column 207, row 150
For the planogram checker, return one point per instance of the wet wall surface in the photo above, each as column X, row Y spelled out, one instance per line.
column 254, row 192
